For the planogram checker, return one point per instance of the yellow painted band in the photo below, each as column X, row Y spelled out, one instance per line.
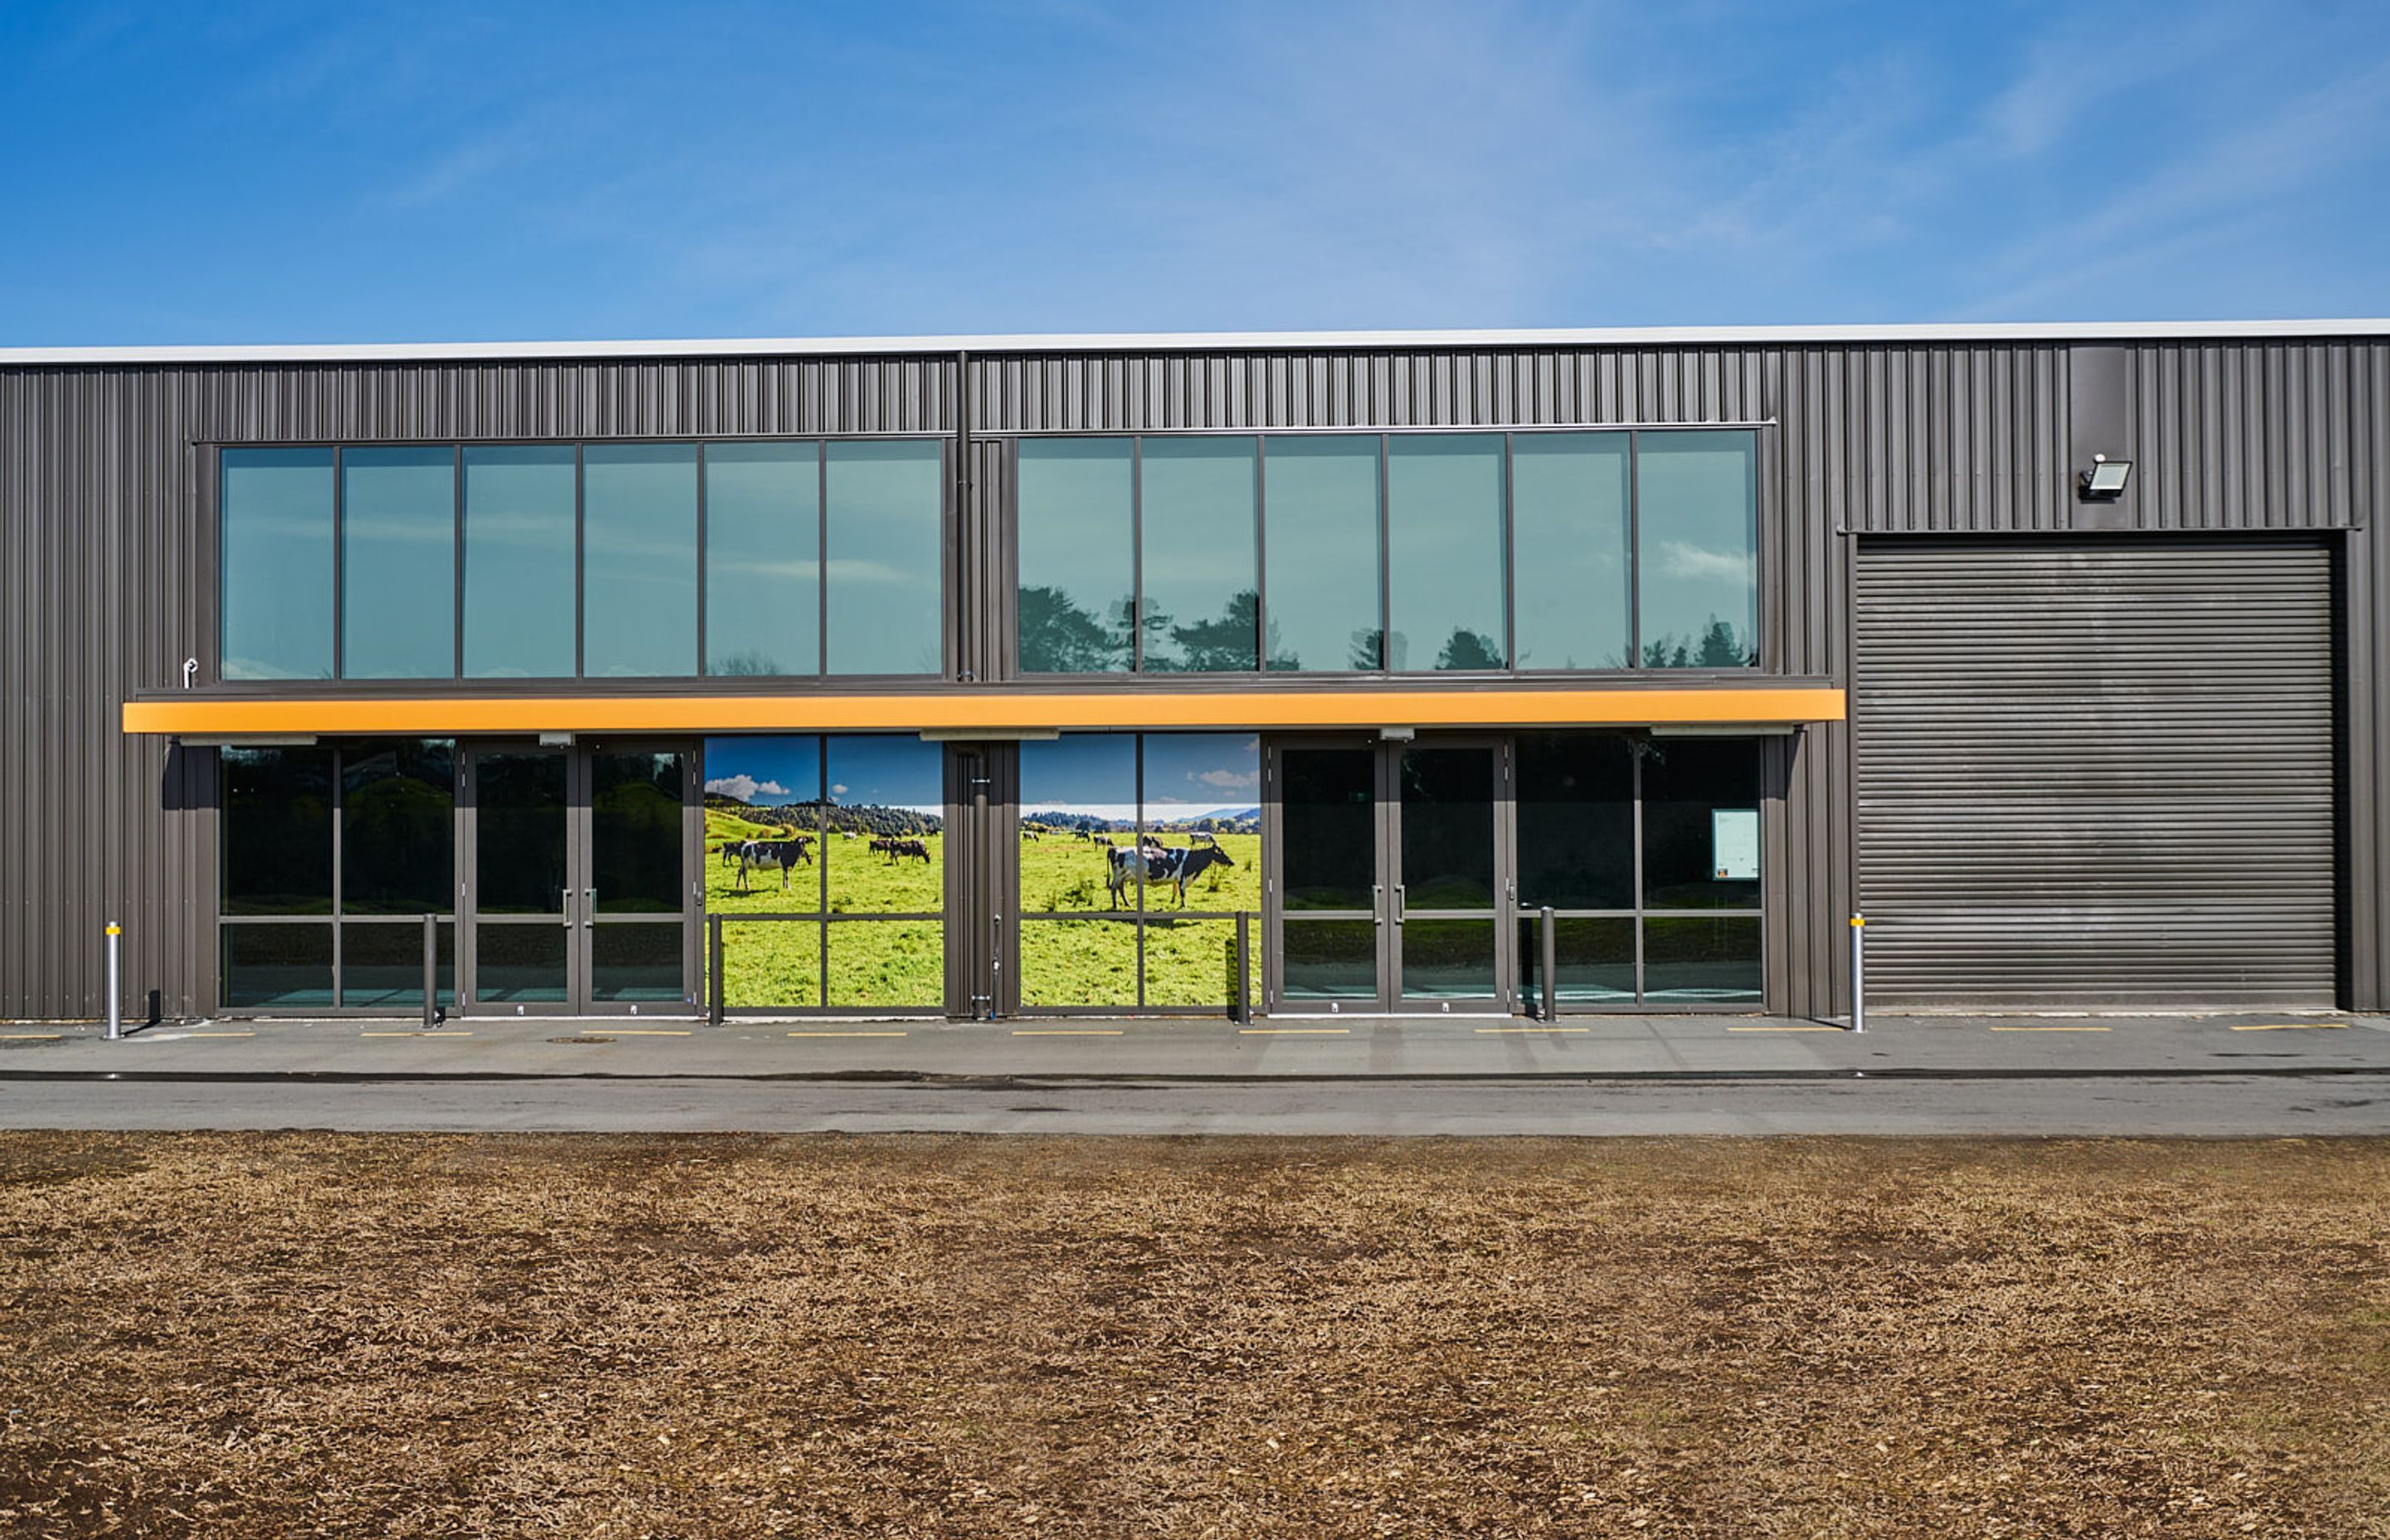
column 994, row 709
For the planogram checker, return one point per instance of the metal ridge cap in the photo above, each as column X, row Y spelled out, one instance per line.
column 1200, row 342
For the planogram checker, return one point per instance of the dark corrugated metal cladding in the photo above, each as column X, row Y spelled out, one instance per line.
column 2270, row 435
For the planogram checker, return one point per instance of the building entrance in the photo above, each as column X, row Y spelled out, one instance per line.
column 1392, row 883
column 578, row 890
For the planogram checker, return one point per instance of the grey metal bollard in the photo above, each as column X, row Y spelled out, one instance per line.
column 1858, row 974
column 1549, row 936
column 995, row 969
column 431, row 971
column 1240, row 1006
column 115, row 981
column 717, row 994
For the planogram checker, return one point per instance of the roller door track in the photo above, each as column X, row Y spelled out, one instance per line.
column 2096, row 774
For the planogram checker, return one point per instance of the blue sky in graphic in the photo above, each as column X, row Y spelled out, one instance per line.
column 768, row 770
column 1185, row 775
column 285, row 171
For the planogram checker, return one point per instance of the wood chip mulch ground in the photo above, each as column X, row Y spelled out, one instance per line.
column 230, row 1335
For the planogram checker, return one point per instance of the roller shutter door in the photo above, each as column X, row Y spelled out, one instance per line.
column 2096, row 772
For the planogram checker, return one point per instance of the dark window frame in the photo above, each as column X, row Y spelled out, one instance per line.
column 209, row 543
column 1764, row 454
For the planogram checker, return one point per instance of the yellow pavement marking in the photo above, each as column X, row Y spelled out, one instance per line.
column 1294, row 1032
column 1069, row 1032
column 2050, row 1028
column 1483, row 1030
column 644, row 1031
column 414, row 1035
column 31, row 1036
column 2295, row 1026
column 848, row 1035
column 1785, row 1029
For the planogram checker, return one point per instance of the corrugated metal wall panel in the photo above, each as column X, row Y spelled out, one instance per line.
column 2097, row 773
column 1961, row 438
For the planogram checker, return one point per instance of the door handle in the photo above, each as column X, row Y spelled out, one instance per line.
column 1398, row 903
column 564, row 903
column 588, row 908
column 1377, row 904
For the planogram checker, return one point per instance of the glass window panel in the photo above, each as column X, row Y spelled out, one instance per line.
column 1447, row 829
column 888, row 964
column 1329, row 827
column 764, row 790
column 518, row 818
column 519, row 962
column 279, row 965
column 1203, row 790
column 884, row 589
column 1320, row 536
column 1078, row 962
column 519, row 565
column 382, row 965
column 1076, row 567
column 1078, row 798
column 635, row 834
column 1701, row 810
column 1192, row 962
column 398, row 835
column 1198, row 547
column 635, row 961
column 771, row 965
column 398, row 550
column 1576, row 821
column 1594, row 959
column 1697, row 511
column 1570, row 594
column 1444, row 551
column 638, row 556
column 889, row 793
column 1448, row 959
column 276, row 560
column 763, row 558
column 277, row 832
column 1329, row 959
column 1700, row 959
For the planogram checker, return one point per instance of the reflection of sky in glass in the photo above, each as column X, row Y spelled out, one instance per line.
column 1192, row 773
column 888, row 772
column 1090, row 773
column 765, row 770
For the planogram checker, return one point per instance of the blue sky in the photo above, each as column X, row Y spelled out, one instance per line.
column 284, row 172
column 770, row 769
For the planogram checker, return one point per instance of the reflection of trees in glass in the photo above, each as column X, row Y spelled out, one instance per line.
column 1058, row 636
column 1721, row 645
column 1369, row 649
column 1223, row 645
column 749, row 664
column 1468, row 650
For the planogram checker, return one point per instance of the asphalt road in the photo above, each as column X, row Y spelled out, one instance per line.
column 2355, row 1102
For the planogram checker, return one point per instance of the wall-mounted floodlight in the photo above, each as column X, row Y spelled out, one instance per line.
column 2106, row 477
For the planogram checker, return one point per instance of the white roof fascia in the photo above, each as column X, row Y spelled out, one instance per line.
column 1196, row 341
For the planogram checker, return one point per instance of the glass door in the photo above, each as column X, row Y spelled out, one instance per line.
column 578, row 892
column 1450, row 871
column 1392, row 877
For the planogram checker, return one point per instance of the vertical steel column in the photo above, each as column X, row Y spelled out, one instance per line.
column 431, row 971
column 1548, row 936
column 115, row 978
column 1858, row 974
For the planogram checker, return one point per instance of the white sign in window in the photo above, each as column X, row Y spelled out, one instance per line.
column 1734, row 844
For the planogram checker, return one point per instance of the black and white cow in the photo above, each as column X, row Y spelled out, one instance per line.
column 773, row 855
column 1158, row 862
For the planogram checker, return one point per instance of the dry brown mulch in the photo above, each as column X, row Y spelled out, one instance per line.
column 246, row 1335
